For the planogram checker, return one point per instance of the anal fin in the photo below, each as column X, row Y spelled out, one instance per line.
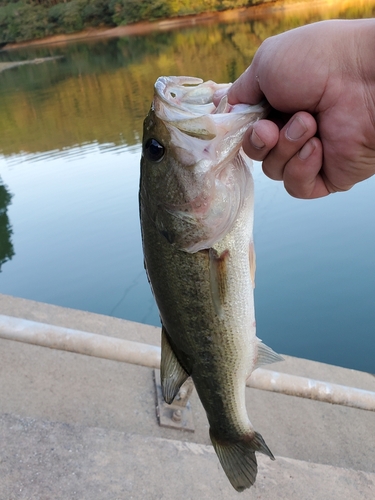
column 266, row 355
column 172, row 374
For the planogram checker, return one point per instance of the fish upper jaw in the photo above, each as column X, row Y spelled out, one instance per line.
column 189, row 94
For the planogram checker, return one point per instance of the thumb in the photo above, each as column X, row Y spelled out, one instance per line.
column 245, row 89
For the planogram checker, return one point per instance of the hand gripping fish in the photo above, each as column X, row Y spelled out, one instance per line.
column 196, row 210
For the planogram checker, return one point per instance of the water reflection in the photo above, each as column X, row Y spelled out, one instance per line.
column 6, row 247
column 100, row 91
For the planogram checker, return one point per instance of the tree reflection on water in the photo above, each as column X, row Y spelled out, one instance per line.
column 6, row 247
column 100, row 90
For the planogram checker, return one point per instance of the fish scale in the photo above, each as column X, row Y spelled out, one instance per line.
column 196, row 210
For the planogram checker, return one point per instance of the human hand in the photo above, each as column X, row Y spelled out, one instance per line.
column 320, row 80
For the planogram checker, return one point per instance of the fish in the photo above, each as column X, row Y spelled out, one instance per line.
column 196, row 212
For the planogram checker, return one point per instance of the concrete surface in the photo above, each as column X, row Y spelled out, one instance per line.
column 64, row 461
column 75, row 427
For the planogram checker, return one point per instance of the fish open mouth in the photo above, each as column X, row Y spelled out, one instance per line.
column 186, row 103
column 207, row 179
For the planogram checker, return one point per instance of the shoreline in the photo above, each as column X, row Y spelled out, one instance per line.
column 144, row 27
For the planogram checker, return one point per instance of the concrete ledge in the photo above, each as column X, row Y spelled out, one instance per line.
column 45, row 460
column 52, row 402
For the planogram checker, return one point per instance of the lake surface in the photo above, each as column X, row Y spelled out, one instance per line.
column 69, row 171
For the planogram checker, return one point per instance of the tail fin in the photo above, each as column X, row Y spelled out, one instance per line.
column 238, row 459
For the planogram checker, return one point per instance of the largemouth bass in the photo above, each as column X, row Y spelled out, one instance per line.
column 196, row 209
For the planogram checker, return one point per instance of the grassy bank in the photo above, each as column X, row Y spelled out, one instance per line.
column 25, row 20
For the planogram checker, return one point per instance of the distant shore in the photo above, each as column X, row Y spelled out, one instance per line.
column 253, row 12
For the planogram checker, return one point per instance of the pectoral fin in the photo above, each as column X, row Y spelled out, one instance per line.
column 266, row 355
column 171, row 372
column 218, row 279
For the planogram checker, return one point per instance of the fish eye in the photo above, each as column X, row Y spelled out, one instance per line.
column 153, row 150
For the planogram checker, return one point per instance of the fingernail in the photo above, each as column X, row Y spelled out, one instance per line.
column 256, row 141
column 306, row 150
column 296, row 129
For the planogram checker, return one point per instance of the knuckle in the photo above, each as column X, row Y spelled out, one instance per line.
column 272, row 170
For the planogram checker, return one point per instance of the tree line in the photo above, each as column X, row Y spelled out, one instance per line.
column 22, row 20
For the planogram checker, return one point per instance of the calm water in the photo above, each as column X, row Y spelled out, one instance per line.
column 69, row 169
